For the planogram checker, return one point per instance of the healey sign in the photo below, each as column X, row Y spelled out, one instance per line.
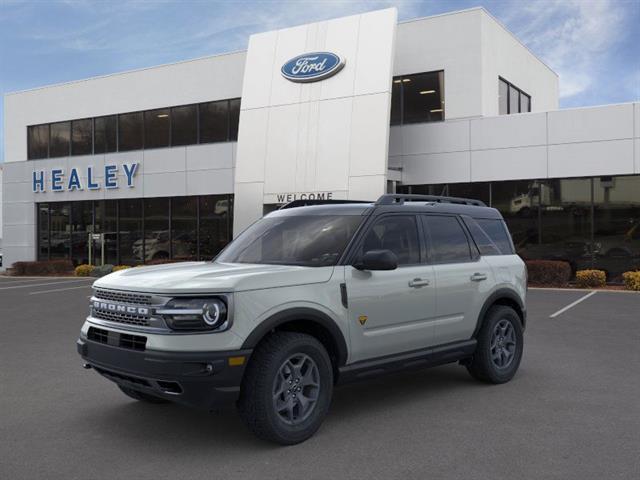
column 312, row 67
column 57, row 181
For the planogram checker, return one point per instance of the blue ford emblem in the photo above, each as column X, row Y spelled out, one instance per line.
column 311, row 67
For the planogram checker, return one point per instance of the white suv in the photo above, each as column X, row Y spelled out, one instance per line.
column 311, row 296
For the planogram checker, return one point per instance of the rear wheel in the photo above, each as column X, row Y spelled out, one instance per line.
column 141, row 396
column 287, row 388
column 500, row 345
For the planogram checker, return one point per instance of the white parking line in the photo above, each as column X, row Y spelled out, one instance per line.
column 44, row 284
column 571, row 305
column 58, row 290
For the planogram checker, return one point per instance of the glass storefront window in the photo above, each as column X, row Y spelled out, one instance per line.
column 131, row 243
column 105, row 134
column 214, row 121
column 60, row 234
column 130, row 131
column 59, row 139
column 157, row 243
column 81, row 226
column 184, row 125
column 82, row 137
column 184, row 228
column 616, row 228
column 38, row 141
column 215, row 224
column 106, row 223
column 43, row 231
column 417, row 98
column 234, row 119
column 156, row 128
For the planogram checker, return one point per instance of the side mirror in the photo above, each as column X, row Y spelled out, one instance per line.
column 377, row 260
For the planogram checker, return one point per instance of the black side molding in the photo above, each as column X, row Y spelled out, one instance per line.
column 427, row 357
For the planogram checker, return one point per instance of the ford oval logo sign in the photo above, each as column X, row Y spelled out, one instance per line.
column 311, row 67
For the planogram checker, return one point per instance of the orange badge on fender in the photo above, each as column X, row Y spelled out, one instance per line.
column 362, row 319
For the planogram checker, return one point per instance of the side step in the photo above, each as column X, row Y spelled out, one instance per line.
column 427, row 357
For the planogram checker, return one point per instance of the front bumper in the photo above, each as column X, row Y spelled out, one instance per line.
column 198, row 379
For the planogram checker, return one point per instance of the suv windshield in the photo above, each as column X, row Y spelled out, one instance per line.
column 306, row 240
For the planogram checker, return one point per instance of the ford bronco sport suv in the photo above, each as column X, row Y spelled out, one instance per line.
column 311, row 296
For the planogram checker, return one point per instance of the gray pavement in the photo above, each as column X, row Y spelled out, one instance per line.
column 572, row 412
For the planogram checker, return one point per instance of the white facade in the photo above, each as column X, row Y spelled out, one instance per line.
column 330, row 136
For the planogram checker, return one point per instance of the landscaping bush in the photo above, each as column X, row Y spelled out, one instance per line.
column 161, row 261
column 548, row 273
column 117, row 268
column 45, row 267
column 631, row 280
column 102, row 270
column 591, row 278
column 84, row 270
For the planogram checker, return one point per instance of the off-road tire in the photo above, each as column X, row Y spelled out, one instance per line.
column 141, row 396
column 256, row 403
column 482, row 366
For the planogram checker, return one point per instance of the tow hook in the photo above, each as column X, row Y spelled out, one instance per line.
column 86, row 366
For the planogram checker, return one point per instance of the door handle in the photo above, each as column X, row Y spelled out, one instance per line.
column 418, row 282
column 478, row 277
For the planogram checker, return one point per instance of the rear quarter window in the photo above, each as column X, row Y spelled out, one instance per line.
column 497, row 231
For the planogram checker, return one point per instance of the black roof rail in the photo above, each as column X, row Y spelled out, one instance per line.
column 308, row 202
column 392, row 198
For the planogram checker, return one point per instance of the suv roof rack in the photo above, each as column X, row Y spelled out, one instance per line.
column 308, row 202
column 391, row 198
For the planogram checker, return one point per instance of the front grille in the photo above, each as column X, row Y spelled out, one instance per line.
column 129, row 319
column 122, row 340
column 123, row 297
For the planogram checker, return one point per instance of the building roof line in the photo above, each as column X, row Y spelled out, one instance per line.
column 482, row 9
column 125, row 72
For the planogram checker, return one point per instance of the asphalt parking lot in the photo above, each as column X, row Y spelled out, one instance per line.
column 572, row 411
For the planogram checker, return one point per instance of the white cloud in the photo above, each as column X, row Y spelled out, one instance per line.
column 573, row 36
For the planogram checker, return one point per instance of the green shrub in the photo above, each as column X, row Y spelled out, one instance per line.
column 46, row 267
column 84, row 270
column 591, row 278
column 631, row 280
column 548, row 273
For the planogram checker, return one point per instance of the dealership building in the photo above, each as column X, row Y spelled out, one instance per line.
column 173, row 161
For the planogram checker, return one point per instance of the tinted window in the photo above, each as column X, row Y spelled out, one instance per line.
column 59, row 139
column 503, row 97
column 514, row 100
column 214, row 122
column 417, row 98
column 396, row 233
column 156, row 128
column 525, row 103
column 449, row 243
column 184, row 125
column 105, row 134
column 234, row 118
column 312, row 241
column 81, row 137
column 482, row 240
column 38, row 141
column 497, row 232
column 130, row 131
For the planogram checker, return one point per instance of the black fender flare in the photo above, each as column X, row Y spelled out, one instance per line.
column 304, row 314
column 501, row 293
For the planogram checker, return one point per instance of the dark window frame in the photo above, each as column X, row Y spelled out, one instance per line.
column 231, row 130
column 399, row 79
column 521, row 92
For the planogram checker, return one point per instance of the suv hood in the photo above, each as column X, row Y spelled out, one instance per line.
column 210, row 277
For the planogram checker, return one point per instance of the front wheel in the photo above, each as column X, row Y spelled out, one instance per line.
column 287, row 388
column 500, row 345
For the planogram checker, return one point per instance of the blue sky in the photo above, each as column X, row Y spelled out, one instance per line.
column 594, row 45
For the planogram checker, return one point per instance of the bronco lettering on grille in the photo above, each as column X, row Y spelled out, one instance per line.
column 115, row 307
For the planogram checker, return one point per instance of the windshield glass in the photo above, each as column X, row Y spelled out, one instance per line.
column 311, row 241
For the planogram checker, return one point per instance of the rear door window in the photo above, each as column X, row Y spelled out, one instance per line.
column 498, row 233
column 449, row 243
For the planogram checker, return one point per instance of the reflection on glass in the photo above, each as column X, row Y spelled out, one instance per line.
column 214, row 121
column 38, row 141
column 59, row 139
column 105, row 134
column 130, row 131
column 215, row 219
column 503, row 97
column 156, row 128
column 418, row 98
column 157, row 245
column 43, row 231
column 234, row 118
column 184, row 227
column 184, row 125
column 81, row 137
column 130, row 241
column 60, row 238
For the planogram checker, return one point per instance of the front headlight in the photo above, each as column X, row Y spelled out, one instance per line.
column 196, row 314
